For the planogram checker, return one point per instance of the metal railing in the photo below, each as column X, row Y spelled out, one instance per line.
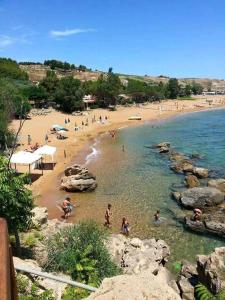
column 56, row 278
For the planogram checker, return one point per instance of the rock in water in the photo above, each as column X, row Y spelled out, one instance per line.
column 217, row 183
column 201, row 172
column 183, row 166
column 191, row 181
column 163, row 144
column 78, row 179
column 200, row 197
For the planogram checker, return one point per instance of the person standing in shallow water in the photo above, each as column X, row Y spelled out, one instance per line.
column 29, row 139
column 108, row 215
column 125, row 226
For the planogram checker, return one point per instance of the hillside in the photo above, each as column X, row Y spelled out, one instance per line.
column 38, row 72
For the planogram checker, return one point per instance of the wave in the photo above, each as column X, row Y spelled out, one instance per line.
column 94, row 153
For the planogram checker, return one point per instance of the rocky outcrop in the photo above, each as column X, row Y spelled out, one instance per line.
column 40, row 216
column 78, row 179
column 212, row 223
column 191, row 181
column 135, row 255
column 211, row 269
column 145, row 285
column 187, row 280
column 200, row 197
column 217, row 183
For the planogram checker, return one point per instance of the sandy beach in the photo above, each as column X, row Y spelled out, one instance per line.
column 68, row 149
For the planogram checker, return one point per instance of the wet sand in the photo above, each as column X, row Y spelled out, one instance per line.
column 77, row 145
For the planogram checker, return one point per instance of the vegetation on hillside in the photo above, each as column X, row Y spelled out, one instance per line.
column 10, row 68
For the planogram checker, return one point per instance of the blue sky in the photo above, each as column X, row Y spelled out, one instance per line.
column 170, row 37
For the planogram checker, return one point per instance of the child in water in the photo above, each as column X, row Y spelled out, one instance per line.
column 125, row 226
column 156, row 216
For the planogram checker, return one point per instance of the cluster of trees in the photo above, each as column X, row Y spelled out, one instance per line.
column 57, row 64
column 9, row 68
column 13, row 98
column 27, row 63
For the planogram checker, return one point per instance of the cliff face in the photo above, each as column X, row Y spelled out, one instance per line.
column 38, row 72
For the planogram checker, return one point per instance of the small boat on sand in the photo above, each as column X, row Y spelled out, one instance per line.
column 136, row 117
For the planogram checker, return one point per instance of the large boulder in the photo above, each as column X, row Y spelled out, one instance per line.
column 78, row 170
column 201, row 172
column 177, row 156
column 145, row 285
column 74, row 184
column 191, row 181
column 200, row 197
column 40, row 216
column 211, row 269
column 135, row 255
column 78, row 179
column 217, row 183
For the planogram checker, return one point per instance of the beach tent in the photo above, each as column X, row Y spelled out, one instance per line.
column 25, row 158
column 46, row 150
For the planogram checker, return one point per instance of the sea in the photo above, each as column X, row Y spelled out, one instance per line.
column 138, row 181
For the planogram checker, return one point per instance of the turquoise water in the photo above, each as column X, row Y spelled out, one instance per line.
column 138, row 181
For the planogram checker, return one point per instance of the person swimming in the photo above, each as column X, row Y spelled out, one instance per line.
column 125, row 226
column 197, row 214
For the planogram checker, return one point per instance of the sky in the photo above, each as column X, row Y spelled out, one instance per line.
column 154, row 37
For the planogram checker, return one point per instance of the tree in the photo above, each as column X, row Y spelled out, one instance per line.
column 50, row 83
column 69, row 94
column 188, row 90
column 196, row 88
column 173, row 88
column 16, row 200
column 107, row 89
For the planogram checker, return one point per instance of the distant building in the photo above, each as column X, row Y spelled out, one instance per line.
column 88, row 100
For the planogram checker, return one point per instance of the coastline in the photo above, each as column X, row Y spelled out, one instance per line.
column 78, row 144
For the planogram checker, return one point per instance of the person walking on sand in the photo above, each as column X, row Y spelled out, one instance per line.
column 46, row 138
column 123, row 148
column 108, row 215
column 125, row 226
column 29, row 140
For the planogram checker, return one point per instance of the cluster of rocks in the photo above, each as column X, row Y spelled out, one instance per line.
column 145, row 276
column 208, row 270
column 78, row 179
column 202, row 192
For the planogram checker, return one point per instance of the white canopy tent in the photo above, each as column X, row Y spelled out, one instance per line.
column 46, row 150
column 25, row 158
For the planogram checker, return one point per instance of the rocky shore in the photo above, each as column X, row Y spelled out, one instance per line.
column 143, row 263
column 199, row 191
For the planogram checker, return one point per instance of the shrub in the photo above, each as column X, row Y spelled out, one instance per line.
column 80, row 251
column 75, row 293
column 202, row 293
column 30, row 241
column 30, row 291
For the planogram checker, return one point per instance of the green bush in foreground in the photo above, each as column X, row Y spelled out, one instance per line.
column 80, row 251
column 202, row 293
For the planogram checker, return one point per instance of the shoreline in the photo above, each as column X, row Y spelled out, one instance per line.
column 82, row 141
